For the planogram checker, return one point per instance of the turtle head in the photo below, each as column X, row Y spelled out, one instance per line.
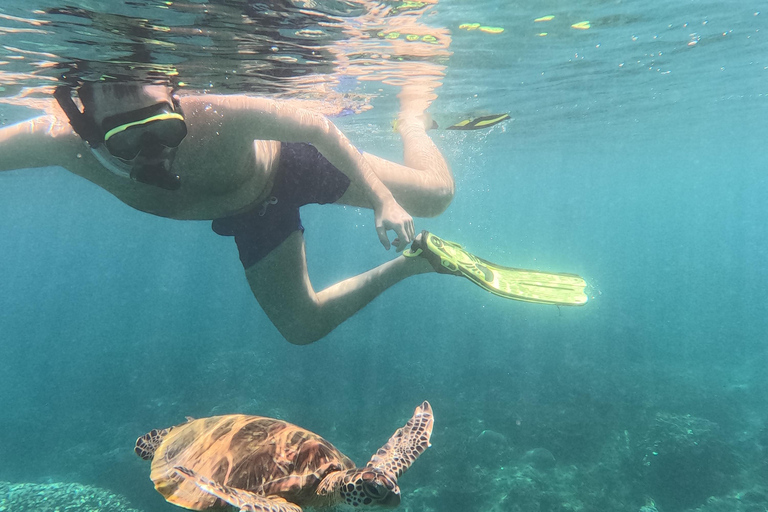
column 362, row 487
column 369, row 487
column 148, row 443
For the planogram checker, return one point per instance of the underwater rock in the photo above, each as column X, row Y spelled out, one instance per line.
column 491, row 448
column 752, row 500
column 492, row 438
column 540, row 458
column 683, row 461
column 60, row 497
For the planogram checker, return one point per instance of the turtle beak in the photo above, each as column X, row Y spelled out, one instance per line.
column 392, row 500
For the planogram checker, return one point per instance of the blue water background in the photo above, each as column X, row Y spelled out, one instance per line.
column 650, row 185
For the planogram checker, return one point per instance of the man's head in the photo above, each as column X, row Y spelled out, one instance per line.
column 139, row 125
column 104, row 99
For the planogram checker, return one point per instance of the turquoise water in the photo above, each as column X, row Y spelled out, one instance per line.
column 636, row 158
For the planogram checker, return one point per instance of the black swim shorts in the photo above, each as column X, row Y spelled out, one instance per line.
column 303, row 176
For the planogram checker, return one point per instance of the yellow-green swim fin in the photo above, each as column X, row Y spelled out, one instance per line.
column 479, row 123
column 512, row 283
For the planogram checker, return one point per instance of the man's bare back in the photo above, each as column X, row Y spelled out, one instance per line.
column 224, row 170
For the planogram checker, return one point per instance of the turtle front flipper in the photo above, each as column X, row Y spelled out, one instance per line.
column 148, row 443
column 244, row 500
column 406, row 444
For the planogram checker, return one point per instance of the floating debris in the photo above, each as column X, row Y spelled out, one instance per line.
column 582, row 25
column 481, row 28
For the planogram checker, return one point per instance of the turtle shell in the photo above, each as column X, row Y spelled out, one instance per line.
column 253, row 453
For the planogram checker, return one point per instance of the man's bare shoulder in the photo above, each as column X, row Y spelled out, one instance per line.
column 259, row 104
column 222, row 103
column 239, row 117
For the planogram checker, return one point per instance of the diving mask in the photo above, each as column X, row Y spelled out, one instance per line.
column 142, row 141
column 127, row 134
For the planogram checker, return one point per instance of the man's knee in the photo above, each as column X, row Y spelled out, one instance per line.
column 437, row 202
column 302, row 332
column 446, row 198
column 300, row 324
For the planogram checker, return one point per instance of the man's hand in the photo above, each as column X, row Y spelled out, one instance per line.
column 392, row 216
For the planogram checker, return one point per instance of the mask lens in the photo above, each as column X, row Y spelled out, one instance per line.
column 128, row 143
column 126, row 134
column 125, row 145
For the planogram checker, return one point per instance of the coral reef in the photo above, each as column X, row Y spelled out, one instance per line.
column 752, row 500
column 663, row 462
column 682, row 460
column 60, row 497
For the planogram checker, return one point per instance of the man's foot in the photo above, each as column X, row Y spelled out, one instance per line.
column 415, row 98
column 420, row 248
column 420, row 122
column 411, row 256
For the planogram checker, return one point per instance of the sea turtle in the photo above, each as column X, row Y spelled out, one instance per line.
column 262, row 464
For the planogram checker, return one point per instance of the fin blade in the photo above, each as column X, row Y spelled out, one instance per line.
column 406, row 444
column 560, row 289
column 244, row 500
column 479, row 123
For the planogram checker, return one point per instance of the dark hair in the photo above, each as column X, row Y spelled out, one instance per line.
column 118, row 90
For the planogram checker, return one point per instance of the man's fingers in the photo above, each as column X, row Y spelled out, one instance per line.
column 382, row 232
column 402, row 237
column 404, row 234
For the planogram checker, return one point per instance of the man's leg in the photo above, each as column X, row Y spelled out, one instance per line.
column 424, row 186
column 281, row 284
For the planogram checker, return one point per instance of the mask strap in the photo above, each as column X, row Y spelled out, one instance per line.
column 81, row 123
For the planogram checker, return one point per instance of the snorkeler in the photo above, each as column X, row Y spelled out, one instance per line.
column 248, row 164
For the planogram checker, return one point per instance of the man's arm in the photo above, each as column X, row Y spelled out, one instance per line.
column 35, row 143
column 266, row 119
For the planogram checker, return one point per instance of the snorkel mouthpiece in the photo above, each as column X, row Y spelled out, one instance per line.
column 157, row 175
